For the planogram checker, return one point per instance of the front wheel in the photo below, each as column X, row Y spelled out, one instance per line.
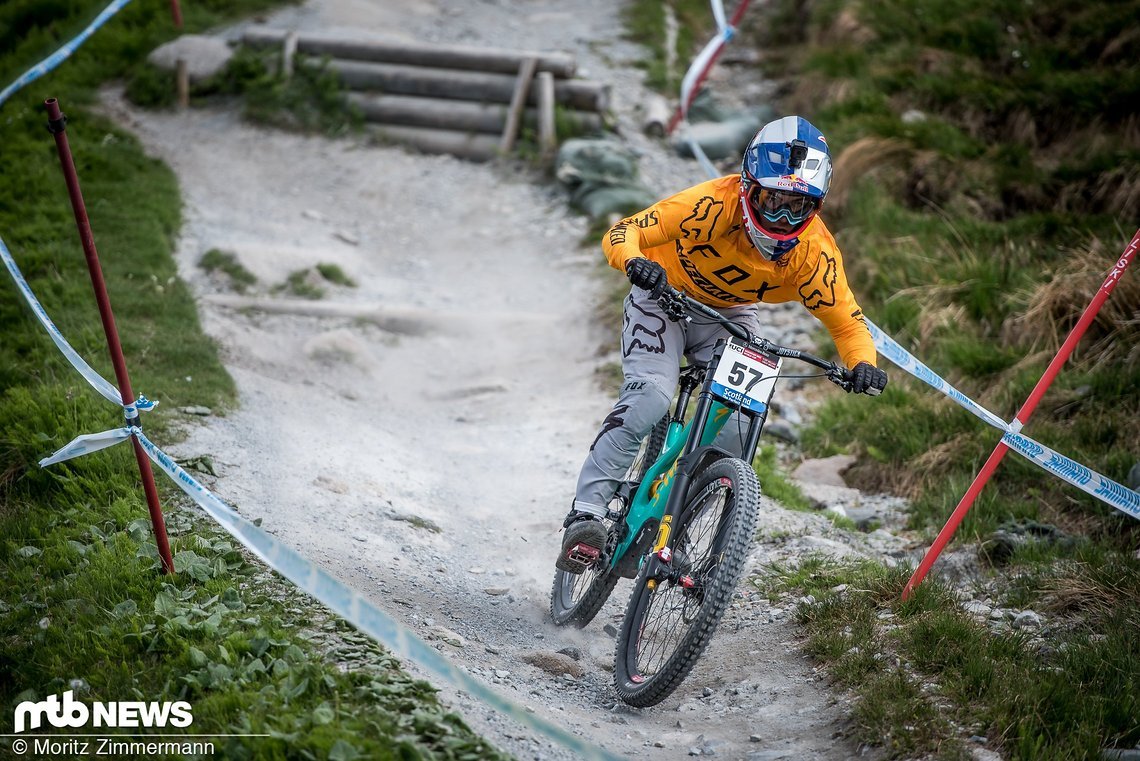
column 669, row 622
column 577, row 598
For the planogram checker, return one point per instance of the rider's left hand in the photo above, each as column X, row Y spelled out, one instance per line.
column 868, row 379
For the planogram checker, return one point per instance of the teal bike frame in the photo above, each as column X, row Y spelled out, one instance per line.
column 653, row 495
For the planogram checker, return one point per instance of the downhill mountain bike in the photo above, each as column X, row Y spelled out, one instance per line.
column 682, row 522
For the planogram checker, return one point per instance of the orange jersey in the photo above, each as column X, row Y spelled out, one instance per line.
column 699, row 238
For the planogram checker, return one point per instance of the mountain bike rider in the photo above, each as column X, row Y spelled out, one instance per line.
column 730, row 243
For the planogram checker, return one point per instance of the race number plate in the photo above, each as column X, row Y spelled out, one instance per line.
column 746, row 377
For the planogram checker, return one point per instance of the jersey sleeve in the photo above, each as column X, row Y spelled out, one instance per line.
column 823, row 289
column 697, row 213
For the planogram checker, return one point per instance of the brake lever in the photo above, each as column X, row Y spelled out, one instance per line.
column 840, row 377
column 672, row 303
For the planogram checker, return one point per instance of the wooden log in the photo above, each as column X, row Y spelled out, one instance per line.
column 547, row 139
column 462, row 85
column 182, row 78
column 462, row 115
column 288, row 53
column 466, row 145
column 518, row 98
column 657, row 114
column 561, row 65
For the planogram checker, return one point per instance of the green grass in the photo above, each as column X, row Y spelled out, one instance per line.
column 975, row 235
column 216, row 260
column 82, row 605
column 300, row 283
column 928, row 676
column 981, row 237
column 311, row 101
column 334, row 274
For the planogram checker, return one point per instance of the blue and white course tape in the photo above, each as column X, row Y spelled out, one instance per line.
column 1102, row 487
column 59, row 56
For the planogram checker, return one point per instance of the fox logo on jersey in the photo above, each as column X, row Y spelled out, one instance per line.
column 819, row 290
column 701, row 224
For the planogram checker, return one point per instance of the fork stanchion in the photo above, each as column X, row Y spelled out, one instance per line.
column 1023, row 415
column 57, row 125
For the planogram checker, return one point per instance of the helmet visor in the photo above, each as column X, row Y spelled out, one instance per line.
column 781, row 213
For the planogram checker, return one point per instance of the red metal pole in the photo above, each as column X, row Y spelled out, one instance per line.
column 57, row 124
column 1023, row 415
column 683, row 107
column 176, row 13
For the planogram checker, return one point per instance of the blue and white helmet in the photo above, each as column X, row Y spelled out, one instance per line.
column 783, row 180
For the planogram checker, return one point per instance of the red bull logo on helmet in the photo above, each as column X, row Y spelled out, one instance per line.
column 793, row 182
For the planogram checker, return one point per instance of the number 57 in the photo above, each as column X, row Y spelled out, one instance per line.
column 736, row 375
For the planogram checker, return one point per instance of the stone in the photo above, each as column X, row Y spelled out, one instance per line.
column 331, row 484
column 973, row 607
column 826, row 470
column 1027, row 619
column 448, row 636
column 496, row 591
column 193, row 410
column 572, row 652
column 556, row 664
column 204, row 56
column 782, row 431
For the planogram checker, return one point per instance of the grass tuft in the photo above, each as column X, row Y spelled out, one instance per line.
column 216, row 260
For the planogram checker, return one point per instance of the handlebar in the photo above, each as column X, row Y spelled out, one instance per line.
column 677, row 306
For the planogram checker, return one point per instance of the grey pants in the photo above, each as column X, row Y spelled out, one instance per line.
column 651, row 347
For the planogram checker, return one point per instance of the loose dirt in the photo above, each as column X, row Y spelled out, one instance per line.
column 419, row 435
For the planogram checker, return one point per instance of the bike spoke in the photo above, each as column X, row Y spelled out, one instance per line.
column 661, row 630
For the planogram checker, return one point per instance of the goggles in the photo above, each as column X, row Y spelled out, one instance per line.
column 780, row 213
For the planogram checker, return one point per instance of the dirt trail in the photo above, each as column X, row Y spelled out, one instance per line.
column 428, row 461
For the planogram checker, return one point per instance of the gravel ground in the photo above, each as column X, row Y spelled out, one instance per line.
column 420, row 438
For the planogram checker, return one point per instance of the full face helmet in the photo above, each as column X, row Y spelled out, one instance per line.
column 783, row 180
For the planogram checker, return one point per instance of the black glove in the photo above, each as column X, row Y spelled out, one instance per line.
column 868, row 379
column 647, row 274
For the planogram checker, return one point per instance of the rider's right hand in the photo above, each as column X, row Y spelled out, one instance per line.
column 647, row 274
column 868, row 379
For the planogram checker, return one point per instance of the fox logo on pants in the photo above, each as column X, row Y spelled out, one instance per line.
column 649, row 325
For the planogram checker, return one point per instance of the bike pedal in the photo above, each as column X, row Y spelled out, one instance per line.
column 583, row 553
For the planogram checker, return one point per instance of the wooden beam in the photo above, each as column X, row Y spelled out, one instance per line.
column 547, row 139
column 561, row 65
column 518, row 100
column 463, row 115
column 464, row 85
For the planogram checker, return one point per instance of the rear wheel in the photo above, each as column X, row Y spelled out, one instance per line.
column 669, row 622
column 576, row 598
